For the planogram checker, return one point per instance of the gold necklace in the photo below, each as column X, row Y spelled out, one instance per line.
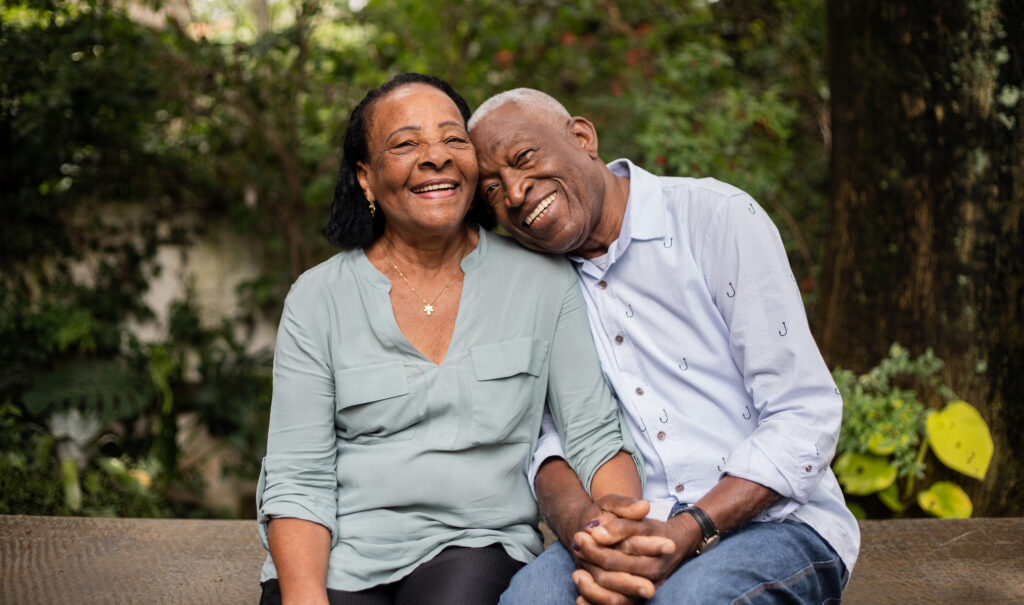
column 428, row 307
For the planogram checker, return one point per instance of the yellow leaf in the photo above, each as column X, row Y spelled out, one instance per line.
column 960, row 439
column 881, row 445
column 945, row 499
column 863, row 474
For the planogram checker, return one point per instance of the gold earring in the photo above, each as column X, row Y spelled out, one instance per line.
column 373, row 208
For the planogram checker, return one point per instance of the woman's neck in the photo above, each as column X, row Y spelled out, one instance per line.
column 427, row 253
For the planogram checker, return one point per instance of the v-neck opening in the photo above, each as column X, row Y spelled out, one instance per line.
column 382, row 282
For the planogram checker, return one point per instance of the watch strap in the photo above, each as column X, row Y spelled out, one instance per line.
column 706, row 525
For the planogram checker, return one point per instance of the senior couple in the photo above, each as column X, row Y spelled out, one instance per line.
column 658, row 396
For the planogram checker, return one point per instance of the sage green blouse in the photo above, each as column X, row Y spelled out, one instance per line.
column 399, row 457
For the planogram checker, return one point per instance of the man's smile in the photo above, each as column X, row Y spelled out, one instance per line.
column 539, row 210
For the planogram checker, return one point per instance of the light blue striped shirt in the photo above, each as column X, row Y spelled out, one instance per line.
column 702, row 334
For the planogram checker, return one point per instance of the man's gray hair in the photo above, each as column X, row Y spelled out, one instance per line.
column 527, row 97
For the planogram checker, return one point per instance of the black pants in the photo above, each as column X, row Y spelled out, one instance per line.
column 456, row 576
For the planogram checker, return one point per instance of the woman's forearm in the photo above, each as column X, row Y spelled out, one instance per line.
column 300, row 550
column 617, row 476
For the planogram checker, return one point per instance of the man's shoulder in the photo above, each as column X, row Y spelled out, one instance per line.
column 706, row 189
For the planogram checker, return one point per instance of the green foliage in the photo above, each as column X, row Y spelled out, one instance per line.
column 120, row 141
column 887, row 430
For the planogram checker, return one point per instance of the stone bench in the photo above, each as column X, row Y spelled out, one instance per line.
column 84, row 560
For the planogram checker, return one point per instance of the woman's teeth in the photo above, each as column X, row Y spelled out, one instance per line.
column 436, row 187
column 539, row 210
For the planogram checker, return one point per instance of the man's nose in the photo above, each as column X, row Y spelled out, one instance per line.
column 517, row 189
column 435, row 155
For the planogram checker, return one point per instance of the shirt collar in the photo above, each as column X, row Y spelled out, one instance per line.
column 644, row 218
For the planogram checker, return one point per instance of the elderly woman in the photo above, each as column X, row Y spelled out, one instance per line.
column 410, row 377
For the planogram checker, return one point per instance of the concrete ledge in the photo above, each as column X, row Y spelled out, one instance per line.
column 59, row 559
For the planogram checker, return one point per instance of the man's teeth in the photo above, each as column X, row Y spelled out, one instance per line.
column 436, row 187
column 539, row 210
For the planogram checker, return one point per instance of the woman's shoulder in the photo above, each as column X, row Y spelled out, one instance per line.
column 323, row 277
column 505, row 252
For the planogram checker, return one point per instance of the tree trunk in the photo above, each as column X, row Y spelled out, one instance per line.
column 927, row 206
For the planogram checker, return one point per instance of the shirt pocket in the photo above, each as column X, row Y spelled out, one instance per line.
column 373, row 403
column 506, row 390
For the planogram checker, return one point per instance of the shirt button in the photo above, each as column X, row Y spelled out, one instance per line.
column 639, row 391
column 679, row 488
column 619, row 339
column 602, row 284
column 661, row 435
column 807, row 468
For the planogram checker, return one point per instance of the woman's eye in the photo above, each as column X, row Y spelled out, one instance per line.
column 456, row 140
column 405, row 144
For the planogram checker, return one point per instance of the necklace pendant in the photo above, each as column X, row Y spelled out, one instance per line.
column 428, row 309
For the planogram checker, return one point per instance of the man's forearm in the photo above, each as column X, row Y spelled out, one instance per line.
column 732, row 502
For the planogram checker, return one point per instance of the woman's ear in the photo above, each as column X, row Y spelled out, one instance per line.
column 585, row 134
column 363, row 176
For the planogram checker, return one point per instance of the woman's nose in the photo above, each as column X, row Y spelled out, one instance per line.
column 435, row 155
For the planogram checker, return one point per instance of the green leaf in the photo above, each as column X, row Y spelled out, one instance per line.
column 863, row 474
column 72, row 489
column 946, row 500
column 858, row 511
column 108, row 388
column 960, row 439
column 881, row 445
column 890, row 497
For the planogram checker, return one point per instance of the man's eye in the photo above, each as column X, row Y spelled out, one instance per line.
column 524, row 156
column 405, row 144
column 490, row 188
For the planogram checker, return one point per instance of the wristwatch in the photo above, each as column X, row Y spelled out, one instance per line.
column 707, row 528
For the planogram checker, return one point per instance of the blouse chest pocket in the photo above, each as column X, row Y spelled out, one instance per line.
column 507, row 398
column 372, row 403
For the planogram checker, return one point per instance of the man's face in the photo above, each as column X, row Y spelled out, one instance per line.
column 541, row 175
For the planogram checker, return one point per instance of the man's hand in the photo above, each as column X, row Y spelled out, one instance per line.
column 632, row 545
column 622, row 555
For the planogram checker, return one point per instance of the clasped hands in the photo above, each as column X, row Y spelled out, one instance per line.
column 622, row 556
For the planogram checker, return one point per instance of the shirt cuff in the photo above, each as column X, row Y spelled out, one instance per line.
column 293, row 505
column 792, row 469
column 549, row 445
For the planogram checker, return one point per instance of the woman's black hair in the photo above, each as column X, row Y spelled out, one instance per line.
column 351, row 225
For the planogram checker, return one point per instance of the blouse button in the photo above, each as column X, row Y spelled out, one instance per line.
column 619, row 339
column 661, row 435
column 602, row 284
column 639, row 391
column 679, row 488
column 807, row 468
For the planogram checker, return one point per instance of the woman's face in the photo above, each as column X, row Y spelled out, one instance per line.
column 421, row 168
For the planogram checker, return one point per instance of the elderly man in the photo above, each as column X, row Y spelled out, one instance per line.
column 703, row 336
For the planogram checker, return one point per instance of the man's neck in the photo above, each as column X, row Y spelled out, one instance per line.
column 609, row 225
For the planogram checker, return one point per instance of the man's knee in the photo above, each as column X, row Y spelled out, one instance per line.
column 547, row 580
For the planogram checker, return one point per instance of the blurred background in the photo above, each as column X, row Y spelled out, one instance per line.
column 166, row 171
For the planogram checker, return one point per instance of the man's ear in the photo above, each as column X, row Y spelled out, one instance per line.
column 585, row 134
column 362, row 175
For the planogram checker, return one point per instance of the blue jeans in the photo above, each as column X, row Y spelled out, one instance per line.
column 785, row 562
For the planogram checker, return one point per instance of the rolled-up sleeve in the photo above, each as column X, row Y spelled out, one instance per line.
column 798, row 408
column 299, row 478
column 584, row 411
